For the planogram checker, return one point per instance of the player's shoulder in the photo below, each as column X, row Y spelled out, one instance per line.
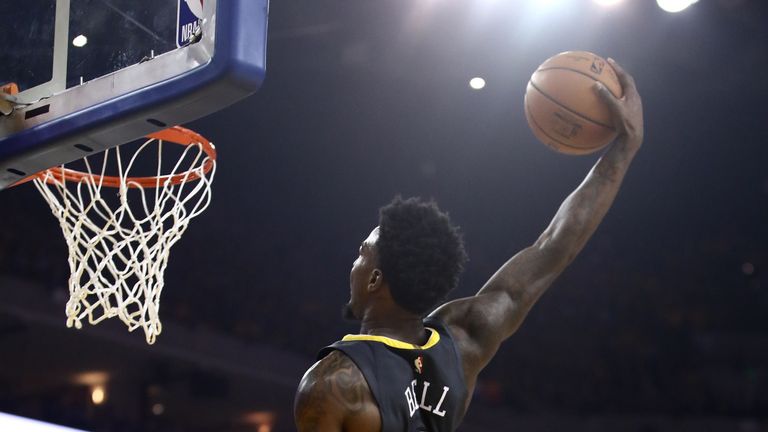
column 334, row 382
column 336, row 365
column 457, row 315
column 463, row 317
column 332, row 392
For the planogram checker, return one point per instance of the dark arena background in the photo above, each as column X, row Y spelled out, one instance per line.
column 661, row 324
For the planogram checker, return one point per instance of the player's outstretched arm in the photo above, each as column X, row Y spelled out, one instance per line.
column 333, row 396
column 482, row 322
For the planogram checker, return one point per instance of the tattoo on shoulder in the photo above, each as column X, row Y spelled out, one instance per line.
column 345, row 382
column 333, row 381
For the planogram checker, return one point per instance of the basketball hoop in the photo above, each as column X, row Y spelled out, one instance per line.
column 119, row 245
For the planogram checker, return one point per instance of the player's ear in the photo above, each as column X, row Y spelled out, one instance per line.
column 377, row 278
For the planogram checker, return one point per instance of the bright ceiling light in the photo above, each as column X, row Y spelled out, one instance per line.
column 80, row 41
column 607, row 2
column 675, row 5
column 477, row 83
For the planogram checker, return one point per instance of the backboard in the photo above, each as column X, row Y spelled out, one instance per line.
column 94, row 74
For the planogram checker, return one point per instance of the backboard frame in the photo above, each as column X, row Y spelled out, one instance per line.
column 227, row 64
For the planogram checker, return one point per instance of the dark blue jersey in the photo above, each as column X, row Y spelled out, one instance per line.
column 417, row 388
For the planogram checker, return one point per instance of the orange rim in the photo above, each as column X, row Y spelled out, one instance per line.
column 10, row 88
column 175, row 134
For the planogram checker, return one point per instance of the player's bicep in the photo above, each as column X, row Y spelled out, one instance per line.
column 525, row 276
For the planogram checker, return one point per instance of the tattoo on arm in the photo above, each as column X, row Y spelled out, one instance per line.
column 503, row 303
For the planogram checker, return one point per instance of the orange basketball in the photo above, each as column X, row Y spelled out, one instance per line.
column 562, row 107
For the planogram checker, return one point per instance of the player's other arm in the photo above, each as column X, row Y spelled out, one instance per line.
column 333, row 396
column 485, row 320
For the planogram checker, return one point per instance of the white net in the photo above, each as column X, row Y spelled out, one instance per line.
column 119, row 238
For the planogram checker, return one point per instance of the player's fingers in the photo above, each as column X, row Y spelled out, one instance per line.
column 613, row 103
column 626, row 80
column 606, row 95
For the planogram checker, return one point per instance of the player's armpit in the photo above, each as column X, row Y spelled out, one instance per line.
column 333, row 396
column 482, row 322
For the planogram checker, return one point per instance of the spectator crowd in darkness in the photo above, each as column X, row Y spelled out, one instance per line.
column 612, row 335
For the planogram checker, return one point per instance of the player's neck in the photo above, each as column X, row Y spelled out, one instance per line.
column 396, row 324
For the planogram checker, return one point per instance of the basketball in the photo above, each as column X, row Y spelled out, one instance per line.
column 562, row 107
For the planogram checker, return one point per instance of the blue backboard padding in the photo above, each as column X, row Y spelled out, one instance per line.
column 237, row 69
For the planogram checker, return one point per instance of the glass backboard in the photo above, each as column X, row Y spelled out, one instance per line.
column 93, row 74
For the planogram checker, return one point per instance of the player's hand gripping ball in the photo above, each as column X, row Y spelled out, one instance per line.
column 562, row 107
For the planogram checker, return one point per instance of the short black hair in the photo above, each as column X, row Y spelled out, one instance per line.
column 421, row 253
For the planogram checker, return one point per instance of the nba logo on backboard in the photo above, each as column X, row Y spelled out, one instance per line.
column 189, row 19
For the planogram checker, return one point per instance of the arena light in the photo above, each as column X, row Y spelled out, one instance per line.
column 607, row 2
column 158, row 409
column 98, row 395
column 477, row 83
column 548, row 3
column 674, row 6
column 261, row 420
column 92, row 378
column 80, row 41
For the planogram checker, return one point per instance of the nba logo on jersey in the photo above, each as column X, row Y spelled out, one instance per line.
column 190, row 15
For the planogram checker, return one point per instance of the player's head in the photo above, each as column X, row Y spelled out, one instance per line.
column 415, row 251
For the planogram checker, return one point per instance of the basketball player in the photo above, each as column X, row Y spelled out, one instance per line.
column 404, row 372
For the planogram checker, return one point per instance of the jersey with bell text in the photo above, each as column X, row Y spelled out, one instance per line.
column 417, row 388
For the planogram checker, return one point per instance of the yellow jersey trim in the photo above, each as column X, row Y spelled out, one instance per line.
column 434, row 338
